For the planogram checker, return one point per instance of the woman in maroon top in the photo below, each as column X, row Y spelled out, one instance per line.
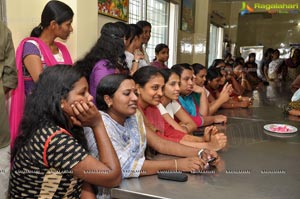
column 161, row 56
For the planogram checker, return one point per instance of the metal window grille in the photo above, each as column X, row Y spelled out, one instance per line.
column 156, row 12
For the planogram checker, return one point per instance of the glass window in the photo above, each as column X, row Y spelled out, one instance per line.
column 157, row 13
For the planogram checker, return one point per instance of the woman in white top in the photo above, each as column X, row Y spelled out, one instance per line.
column 169, row 107
column 200, row 73
column 146, row 26
column 134, row 57
column 274, row 66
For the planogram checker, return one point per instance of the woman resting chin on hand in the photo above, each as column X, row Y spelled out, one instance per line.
column 50, row 157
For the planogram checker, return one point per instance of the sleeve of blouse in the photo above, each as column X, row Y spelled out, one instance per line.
column 175, row 106
column 162, row 109
column 173, row 139
column 172, row 134
column 64, row 152
column 129, row 58
column 198, row 120
column 30, row 48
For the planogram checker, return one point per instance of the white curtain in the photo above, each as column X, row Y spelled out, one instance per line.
column 215, row 43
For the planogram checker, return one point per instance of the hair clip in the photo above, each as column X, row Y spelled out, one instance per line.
column 40, row 26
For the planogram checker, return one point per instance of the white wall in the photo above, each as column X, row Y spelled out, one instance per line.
column 23, row 16
column 87, row 21
column 102, row 19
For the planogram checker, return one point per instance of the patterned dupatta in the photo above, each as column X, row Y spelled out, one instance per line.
column 18, row 94
column 129, row 141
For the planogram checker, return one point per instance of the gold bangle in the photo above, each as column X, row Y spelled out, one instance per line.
column 186, row 127
column 176, row 165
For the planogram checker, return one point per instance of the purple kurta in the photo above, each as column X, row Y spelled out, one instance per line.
column 99, row 71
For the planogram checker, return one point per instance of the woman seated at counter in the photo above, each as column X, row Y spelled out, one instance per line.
column 150, row 82
column 169, row 107
column 197, row 110
column 200, row 73
column 172, row 111
column 247, row 82
column 50, row 159
column 117, row 102
column 213, row 84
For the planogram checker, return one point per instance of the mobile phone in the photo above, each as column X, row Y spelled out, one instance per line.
column 211, row 160
column 176, row 176
column 199, row 131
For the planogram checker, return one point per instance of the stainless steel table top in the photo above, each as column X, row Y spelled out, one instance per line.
column 256, row 163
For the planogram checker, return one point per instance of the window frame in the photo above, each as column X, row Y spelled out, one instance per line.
column 173, row 34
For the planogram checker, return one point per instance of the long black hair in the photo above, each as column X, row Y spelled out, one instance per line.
column 216, row 63
column 268, row 52
column 144, row 74
column 143, row 24
column 125, row 27
column 108, row 86
column 158, row 48
column 109, row 46
column 43, row 105
column 166, row 73
column 213, row 73
column 53, row 10
column 179, row 68
column 135, row 31
column 197, row 67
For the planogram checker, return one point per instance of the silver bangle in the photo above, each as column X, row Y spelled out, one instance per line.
column 200, row 153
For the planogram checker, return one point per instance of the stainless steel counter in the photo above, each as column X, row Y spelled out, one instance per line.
column 256, row 164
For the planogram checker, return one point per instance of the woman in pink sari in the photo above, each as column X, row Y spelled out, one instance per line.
column 38, row 52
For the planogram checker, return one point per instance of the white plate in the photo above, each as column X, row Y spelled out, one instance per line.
column 280, row 135
column 276, row 128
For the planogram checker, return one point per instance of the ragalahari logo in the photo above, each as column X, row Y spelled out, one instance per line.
column 246, row 9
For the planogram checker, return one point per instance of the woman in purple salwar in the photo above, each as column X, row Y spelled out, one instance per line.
column 106, row 56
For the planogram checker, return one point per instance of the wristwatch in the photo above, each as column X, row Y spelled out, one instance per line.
column 135, row 60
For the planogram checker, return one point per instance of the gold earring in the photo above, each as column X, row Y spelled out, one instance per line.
column 109, row 105
column 62, row 106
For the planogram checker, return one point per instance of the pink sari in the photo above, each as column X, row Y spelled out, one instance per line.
column 18, row 95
